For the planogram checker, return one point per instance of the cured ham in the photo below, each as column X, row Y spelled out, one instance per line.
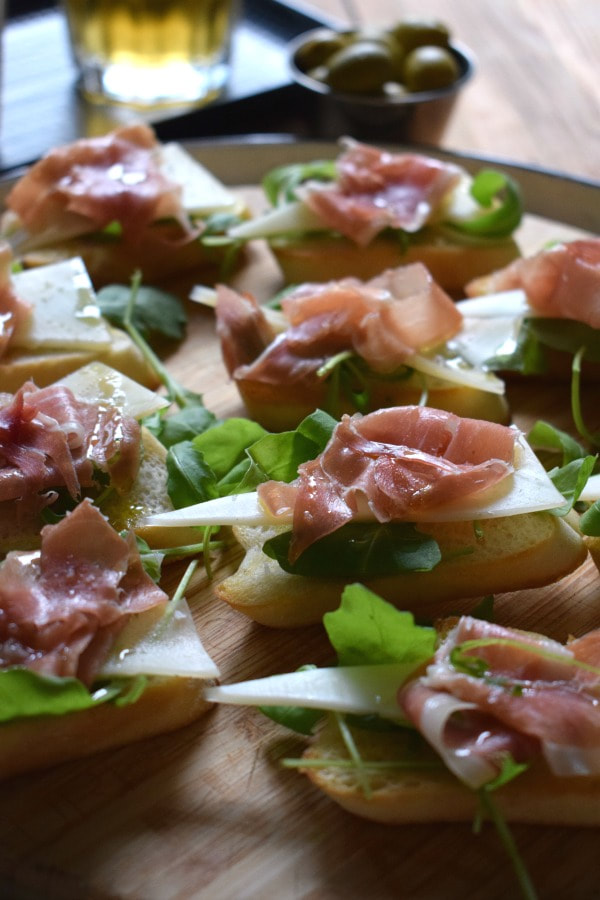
column 384, row 321
column 51, row 440
column 14, row 311
column 524, row 694
column 396, row 462
column 61, row 610
column 90, row 183
column 242, row 328
column 560, row 282
column 376, row 189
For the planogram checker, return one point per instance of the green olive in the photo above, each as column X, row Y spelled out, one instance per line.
column 413, row 32
column 318, row 48
column 361, row 67
column 429, row 68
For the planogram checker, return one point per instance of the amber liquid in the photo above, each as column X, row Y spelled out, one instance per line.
column 148, row 51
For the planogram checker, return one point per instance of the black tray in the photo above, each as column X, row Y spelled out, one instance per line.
column 41, row 106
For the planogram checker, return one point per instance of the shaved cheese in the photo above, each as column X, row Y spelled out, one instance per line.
column 361, row 690
column 65, row 315
column 156, row 644
column 505, row 303
column 591, row 491
column 454, row 370
column 290, row 217
column 202, row 193
column 99, row 383
column 490, row 327
column 528, row 489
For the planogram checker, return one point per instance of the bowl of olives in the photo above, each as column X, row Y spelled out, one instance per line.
column 380, row 76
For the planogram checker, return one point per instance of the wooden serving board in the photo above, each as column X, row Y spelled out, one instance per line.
column 208, row 812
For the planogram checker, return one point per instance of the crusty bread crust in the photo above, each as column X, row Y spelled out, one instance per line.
column 452, row 265
column 126, row 512
column 44, row 741
column 279, row 410
column 19, row 366
column 411, row 795
column 513, row 553
column 160, row 255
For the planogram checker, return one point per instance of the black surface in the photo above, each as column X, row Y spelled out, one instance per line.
column 41, row 106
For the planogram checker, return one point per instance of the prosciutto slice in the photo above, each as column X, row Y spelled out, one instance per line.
column 394, row 462
column 560, row 282
column 90, row 183
column 61, row 611
column 376, row 189
column 51, row 440
column 384, row 320
column 14, row 312
column 527, row 695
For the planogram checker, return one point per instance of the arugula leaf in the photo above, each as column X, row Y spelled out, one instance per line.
column 509, row 770
column 367, row 630
column 156, row 312
column 224, row 446
column 567, row 335
column 545, row 436
column 24, row 693
column 151, row 559
column 182, row 425
column 277, row 456
column 189, row 479
column 570, row 480
column 360, row 550
column 589, row 522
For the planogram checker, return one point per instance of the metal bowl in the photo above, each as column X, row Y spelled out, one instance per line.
column 421, row 115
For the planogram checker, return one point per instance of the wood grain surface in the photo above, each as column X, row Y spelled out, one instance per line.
column 208, row 812
column 535, row 96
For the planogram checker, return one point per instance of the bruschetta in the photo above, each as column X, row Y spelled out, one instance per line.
column 373, row 209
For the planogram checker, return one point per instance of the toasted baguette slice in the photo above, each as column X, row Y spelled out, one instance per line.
column 513, row 553
column 147, row 496
column 280, row 410
column 40, row 742
column 44, row 368
column 433, row 794
column 452, row 265
column 159, row 258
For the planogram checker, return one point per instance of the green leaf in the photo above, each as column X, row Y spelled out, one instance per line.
column 567, row 335
column 280, row 183
column 156, row 313
column 360, row 550
column 509, row 769
column 590, row 520
column 151, row 559
column 297, row 718
column 502, row 196
column 224, row 446
column 545, row 436
column 571, row 479
column 183, row 425
column 24, row 693
column 189, row 479
column 278, row 456
column 367, row 630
